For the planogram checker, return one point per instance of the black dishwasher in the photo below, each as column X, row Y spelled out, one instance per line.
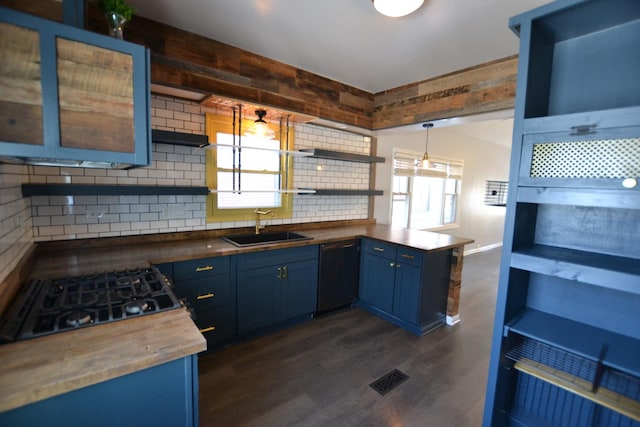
column 339, row 275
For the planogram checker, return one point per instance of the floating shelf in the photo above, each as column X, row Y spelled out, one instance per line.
column 29, row 190
column 339, row 155
column 179, row 138
column 608, row 271
column 338, row 192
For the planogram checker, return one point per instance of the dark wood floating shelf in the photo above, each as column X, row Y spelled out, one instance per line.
column 332, row 192
column 29, row 190
column 339, row 155
column 179, row 138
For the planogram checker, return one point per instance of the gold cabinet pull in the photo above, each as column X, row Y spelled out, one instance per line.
column 205, row 296
column 408, row 256
column 285, row 271
column 205, row 268
column 279, row 273
column 208, row 329
column 392, row 264
column 375, row 248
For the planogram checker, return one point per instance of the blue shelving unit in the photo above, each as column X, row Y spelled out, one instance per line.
column 569, row 291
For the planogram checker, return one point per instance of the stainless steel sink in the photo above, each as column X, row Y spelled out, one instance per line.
column 264, row 238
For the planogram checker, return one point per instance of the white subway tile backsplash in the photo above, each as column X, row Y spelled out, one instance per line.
column 83, row 216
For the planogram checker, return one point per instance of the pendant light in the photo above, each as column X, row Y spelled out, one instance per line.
column 425, row 157
column 396, row 8
column 261, row 128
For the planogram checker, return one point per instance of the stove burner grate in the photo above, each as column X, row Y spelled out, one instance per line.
column 47, row 306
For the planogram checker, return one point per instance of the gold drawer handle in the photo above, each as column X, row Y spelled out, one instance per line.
column 205, row 268
column 209, row 329
column 375, row 248
column 205, row 296
column 408, row 256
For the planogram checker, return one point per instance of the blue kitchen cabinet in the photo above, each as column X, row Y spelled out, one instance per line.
column 208, row 286
column 71, row 97
column 566, row 342
column 163, row 395
column 377, row 275
column 276, row 286
column 408, row 287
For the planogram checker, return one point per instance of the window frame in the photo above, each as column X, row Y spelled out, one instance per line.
column 224, row 124
column 444, row 168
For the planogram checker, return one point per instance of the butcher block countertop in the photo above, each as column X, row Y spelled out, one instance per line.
column 35, row 369
column 81, row 260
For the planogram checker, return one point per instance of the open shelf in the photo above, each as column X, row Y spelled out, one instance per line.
column 623, row 198
column 578, row 338
column 588, row 379
column 339, row 192
column 339, row 155
column 608, row 271
column 29, row 190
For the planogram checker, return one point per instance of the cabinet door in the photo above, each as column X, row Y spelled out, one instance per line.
column 71, row 96
column 406, row 298
column 299, row 288
column 258, row 298
column 377, row 281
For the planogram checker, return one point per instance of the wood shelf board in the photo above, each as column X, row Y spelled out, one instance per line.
column 340, row 192
column 602, row 396
column 339, row 155
column 29, row 190
column 579, row 338
column 179, row 138
column 609, row 271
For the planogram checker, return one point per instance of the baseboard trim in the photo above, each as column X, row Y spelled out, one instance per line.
column 483, row 248
column 452, row 320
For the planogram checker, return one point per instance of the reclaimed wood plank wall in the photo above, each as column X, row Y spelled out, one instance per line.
column 189, row 61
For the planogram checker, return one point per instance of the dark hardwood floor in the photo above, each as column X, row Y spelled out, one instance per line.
column 318, row 373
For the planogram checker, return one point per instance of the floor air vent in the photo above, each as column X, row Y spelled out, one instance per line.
column 388, row 382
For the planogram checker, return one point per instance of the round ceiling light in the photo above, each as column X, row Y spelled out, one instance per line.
column 396, row 8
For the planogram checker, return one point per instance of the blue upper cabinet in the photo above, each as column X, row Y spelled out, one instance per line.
column 71, row 97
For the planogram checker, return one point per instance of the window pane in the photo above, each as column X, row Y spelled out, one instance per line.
column 427, row 199
column 257, row 160
column 400, row 184
column 253, row 199
column 450, row 186
column 400, row 210
column 449, row 209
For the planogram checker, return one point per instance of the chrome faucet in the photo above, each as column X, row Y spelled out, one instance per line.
column 258, row 212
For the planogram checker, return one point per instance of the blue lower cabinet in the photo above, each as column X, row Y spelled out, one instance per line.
column 161, row 396
column 258, row 298
column 218, row 325
column 276, row 286
column 405, row 286
column 208, row 287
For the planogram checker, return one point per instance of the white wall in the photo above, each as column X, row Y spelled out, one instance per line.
column 483, row 160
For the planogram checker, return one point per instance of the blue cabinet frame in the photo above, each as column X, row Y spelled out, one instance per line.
column 51, row 150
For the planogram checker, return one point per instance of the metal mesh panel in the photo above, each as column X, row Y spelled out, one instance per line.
column 611, row 158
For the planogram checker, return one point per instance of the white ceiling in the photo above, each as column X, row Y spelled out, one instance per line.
column 347, row 40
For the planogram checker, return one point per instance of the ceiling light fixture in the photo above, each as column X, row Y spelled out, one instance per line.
column 425, row 157
column 396, row 8
column 261, row 128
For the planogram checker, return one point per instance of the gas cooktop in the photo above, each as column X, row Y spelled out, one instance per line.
column 48, row 306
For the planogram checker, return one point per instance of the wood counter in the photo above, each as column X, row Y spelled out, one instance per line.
column 35, row 369
column 80, row 260
column 39, row 368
